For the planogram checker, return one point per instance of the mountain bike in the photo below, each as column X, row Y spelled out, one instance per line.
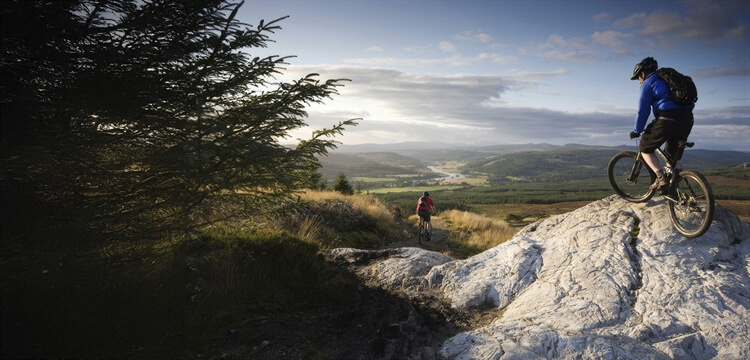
column 688, row 194
column 423, row 233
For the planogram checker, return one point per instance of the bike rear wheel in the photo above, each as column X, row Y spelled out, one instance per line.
column 691, row 204
column 630, row 178
column 421, row 232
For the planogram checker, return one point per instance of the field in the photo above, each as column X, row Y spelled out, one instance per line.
column 733, row 182
column 739, row 207
column 529, row 212
column 419, row 190
column 529, row 181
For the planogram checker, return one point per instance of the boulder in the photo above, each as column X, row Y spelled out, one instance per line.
column 611, row 280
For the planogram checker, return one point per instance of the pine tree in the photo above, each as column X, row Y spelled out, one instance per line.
column 342, row 185
column 150, row 115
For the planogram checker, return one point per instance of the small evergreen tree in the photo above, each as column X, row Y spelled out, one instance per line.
column 342, row 185
column 316, row 182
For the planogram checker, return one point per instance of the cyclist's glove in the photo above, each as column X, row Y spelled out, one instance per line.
column 634, row 135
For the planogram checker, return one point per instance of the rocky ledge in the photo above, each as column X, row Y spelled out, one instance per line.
column 611, row 280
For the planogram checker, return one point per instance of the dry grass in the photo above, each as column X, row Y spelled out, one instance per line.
column 739, row 207
column 476, row 233
column 366, row 204
column 342, row 221
column 723, row 180
column 530, row 212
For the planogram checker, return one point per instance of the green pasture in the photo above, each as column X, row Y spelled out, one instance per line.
column 452, row 166
column 386, row 178
column 474, row 180
column 387, row 190
column 375, row 179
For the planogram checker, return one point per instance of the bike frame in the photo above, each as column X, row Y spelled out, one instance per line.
column 672, row 173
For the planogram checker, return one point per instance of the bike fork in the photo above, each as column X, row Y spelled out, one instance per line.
column 636, row 171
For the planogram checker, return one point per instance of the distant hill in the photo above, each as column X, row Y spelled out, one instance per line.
column 372, row 164
column 577, row 163
column 555, row 165
column 537, row 162
column 417, row 146
column 409, row 145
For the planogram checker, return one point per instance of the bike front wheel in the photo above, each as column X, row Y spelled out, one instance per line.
column 691, row 204
column 630, row 178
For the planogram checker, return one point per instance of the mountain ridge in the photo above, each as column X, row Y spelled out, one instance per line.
column 427, row 145
column 538, row 158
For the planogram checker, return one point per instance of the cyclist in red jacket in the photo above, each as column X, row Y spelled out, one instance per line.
column 425, row 206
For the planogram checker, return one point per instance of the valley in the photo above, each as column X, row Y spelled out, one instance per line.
column 525, row 180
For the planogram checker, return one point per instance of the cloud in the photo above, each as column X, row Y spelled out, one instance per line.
column 374, row 48
column 539, row 76
column 615, row 40
column 721, row 72
column 474, row 36
column 496, row 58
column 725, row 115
column 401, row 106
column 660, row 23
column 452, row 108
column 393, row 62
column 454, row 60
column 446, row 46
column 561, row 48
column 738, row 33
column 709, row 22
column 601, row 17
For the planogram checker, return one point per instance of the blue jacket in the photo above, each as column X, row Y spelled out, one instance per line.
column 654, row 95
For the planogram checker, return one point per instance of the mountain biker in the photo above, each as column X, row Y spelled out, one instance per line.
column 672, row 122
column 425, row 206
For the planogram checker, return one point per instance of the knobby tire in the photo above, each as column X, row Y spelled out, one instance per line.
column 629, row 178
column 691, row 204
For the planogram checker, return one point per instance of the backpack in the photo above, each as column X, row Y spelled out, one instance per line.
column 422, row 202
column 681, row 87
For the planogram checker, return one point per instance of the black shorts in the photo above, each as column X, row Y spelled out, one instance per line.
column 669, row 129
column 424, row 214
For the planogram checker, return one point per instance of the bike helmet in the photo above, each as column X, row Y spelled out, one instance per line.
column 648, row 65
column 426, row 193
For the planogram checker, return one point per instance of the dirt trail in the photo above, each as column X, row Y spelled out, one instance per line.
column 371, row 324
column 438, row 242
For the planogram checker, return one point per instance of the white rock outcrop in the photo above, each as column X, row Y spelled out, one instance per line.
column 580, row 286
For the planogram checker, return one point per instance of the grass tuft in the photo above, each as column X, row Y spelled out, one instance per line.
column 331, row 220
column 473, row 233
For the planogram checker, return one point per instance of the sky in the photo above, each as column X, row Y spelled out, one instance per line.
column 510, row 72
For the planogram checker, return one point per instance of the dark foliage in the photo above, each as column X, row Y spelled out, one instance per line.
column 140, row 117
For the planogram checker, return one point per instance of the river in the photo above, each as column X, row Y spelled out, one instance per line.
column 448, row 175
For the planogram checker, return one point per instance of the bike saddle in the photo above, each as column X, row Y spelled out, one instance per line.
column 685, row 144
